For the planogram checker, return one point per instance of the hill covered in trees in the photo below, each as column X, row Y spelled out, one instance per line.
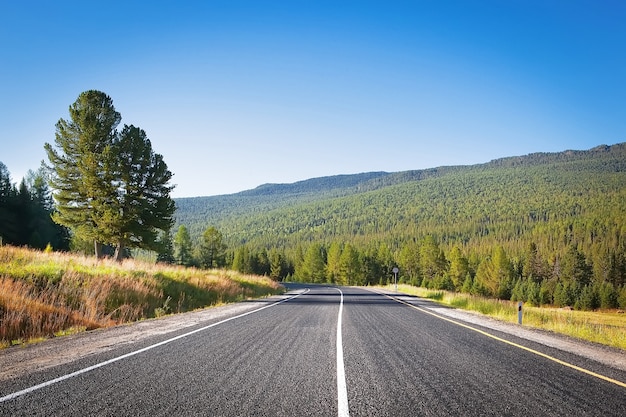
column 551, row 222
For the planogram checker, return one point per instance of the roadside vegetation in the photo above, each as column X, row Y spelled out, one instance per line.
column 51, row 294
column 606, row 327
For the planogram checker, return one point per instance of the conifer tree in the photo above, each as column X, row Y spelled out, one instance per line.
column 110, row 187
column 314, row 264
column 182, row 246
column 333, row 266
column 459, row 267
column 350, row 267
column 212, row 248
column 141, row 206
column 8, row 196
column 166, row 248
column 276, row 264
column 81, row 178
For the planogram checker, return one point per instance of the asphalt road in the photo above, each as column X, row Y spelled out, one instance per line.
column 286, row 359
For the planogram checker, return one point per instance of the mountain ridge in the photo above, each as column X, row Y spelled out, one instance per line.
column 230, row 209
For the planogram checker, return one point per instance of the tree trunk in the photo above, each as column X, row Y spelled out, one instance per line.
column 97, row 247
column 119, row 252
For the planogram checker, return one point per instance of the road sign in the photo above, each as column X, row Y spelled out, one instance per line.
column 395, row 271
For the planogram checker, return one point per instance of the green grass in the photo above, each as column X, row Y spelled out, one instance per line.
column 47, row 294
column 603, row 327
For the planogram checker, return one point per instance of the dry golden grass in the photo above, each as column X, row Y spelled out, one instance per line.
column 43, row 294
column 604, row 327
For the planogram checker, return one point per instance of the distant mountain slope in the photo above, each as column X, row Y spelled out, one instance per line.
column 315, row 185
column 499, row 201
column 197, row 212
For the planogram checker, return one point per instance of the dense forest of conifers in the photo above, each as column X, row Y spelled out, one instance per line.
column 546, row 228
column 25, row 213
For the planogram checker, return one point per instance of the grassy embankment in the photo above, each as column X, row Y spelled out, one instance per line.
column 606, row 327
column 44, row 295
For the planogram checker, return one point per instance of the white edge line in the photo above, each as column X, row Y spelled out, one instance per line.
column 136, row 352
column 342, row 390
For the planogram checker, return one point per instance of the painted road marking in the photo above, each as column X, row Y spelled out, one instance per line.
column 342, row 390
column 128, row 355
column 508, row 342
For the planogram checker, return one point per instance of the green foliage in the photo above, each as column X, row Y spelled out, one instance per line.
column 165, row 252
column 182, row 247
column 539, row 228
column 81, row 161
column 25, row 212
column 212, row 249
column 142, row 203
column 313, row 265
column 110, row 187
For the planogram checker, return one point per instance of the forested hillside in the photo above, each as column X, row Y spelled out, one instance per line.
column 550, row 219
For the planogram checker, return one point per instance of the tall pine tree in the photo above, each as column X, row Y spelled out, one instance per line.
column 110, row 187
column 81, row 179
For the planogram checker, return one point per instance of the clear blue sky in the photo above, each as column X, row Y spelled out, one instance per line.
column 235, row 94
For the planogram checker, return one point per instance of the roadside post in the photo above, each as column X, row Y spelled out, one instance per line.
column 519, row 313
column 395, row 271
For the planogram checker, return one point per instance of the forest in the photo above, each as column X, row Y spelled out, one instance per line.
column 25, row 212
column 546, row 228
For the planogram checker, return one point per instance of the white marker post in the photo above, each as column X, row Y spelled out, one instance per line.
column 519, row 313
column 395, row 271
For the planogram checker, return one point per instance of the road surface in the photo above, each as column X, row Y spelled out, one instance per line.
column 323, row 351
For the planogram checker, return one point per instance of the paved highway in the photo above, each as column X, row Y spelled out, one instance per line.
column 324, row 351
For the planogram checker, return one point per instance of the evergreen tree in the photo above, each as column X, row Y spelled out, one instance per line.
column 587, row 299
column 350, row 267
column 313, row 266
column 8, row 205
column 82, row 174
column 182, row 246
column 110, row 188
column 165, row 254
column 432, row 260
column 387, row 263
column 371, row 267
column 24, row 213
column 468, row 283
column 212, row 250
column 533, row 267
column 409, row 262
column 574, row 267
column 44, row 231
column 276, row 264
column 141, row 208
column 261, row 263
column 242, row 261
column 459, row 267
column 607, row 295
column 495, row 275
column 564, row 295
column 333, row 266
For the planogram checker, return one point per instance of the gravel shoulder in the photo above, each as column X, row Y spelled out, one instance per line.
column 613, row 357
column 20, row 360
